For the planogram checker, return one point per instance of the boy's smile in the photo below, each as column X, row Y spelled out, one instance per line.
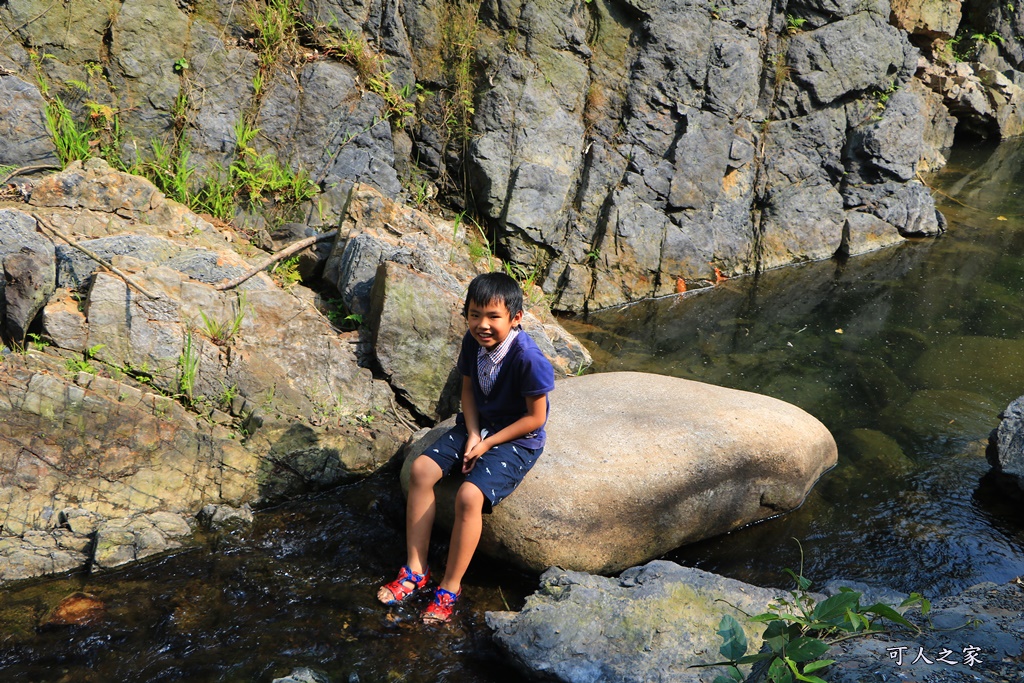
column 490, row 323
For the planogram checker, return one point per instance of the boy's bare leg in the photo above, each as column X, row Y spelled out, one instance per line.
column 419, row 516
column 469, row 506
column 419, row 511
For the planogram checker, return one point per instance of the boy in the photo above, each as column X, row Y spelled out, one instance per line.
column 497, row 438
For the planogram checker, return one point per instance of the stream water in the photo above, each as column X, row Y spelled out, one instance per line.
column 907, row 355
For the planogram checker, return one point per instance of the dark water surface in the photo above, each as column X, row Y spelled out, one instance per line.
column 907, row 355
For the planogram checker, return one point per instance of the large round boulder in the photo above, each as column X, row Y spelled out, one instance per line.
column 639, row 464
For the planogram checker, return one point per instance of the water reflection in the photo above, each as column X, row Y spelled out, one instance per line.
column 907, row 355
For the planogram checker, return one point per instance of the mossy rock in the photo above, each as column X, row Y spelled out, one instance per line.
column 943, row 415
column 984, row 365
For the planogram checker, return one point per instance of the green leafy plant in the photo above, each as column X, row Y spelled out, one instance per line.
column 286, row 272
column 338, row 314
column 169, row 171
column 181, row 65
column 71, row 140
column 36, row 341
column 276, row 24
column 990, row 38
column 258, row 176
column 84, row 364
column 800, row 630
column 221, row 332
column 228, row 395
column 794, row 25
column 188, row 369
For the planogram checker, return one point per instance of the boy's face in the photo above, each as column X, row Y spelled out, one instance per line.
column 490, row 323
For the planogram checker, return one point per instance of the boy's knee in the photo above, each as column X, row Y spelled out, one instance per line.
column 469, row 498
column 424, row 471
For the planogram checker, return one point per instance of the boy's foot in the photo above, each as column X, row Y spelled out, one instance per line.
column 407, row 583
column 440, row 610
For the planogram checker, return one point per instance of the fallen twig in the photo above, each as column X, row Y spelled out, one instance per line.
column 284, row 253
column 98, row 259
column 27, row 169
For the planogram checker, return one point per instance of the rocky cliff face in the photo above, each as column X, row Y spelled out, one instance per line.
column 622, row 148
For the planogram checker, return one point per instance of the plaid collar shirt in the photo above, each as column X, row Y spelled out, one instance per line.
column 489, row 363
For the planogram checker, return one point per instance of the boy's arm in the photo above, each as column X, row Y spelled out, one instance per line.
column 531, row 421
column 469, row 412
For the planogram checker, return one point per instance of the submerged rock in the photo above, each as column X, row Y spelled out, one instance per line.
column 639, row 464
column 1005, row 451
column 77, row 609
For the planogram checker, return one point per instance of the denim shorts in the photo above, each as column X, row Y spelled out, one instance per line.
column 497, row 472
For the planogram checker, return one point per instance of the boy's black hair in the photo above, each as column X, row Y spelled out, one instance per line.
column 494, row 287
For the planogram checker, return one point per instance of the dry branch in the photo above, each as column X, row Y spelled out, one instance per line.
column 98, row 259
column 274, row 258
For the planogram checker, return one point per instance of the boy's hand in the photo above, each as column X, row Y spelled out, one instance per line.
column 475, row 447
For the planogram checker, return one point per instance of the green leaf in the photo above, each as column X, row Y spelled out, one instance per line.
column 810, row 679
column 779, row 633
column 734, row 640
column 834, row 609
column 820, row 664
column 724, row 679
column 801, row 581
column 778, row 672
column 804, row 649
column 888, row 613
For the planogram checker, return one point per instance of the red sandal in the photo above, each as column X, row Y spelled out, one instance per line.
column 398, row 588
column 440, row 610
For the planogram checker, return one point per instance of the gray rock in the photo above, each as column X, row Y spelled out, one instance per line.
column 417, row 332
column 24, row 139
column 323, row 124
column 650, row 623
column 29, row 276
column 657, row 621
column 217, row 517
column 1005, row 451
column 304, row 675
column 985, row 101
column 74, row 32
column 939, row 126
column 984, row 621
column 121, row 541
column 802, row 222
column 222, row 76
column 629, row 505
column 36, row 553
column 864, row 232
column 908, row 206
column 892, row 145
column 145, row 67
column 95, row 186
column 854, row 54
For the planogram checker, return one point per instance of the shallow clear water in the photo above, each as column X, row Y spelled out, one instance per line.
column 295, row 590
column 907, row 355
column 931, row 348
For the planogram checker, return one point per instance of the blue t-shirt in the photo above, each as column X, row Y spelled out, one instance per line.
column 524, row 372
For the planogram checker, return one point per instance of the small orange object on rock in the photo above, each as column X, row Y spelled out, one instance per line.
column 680, row 285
